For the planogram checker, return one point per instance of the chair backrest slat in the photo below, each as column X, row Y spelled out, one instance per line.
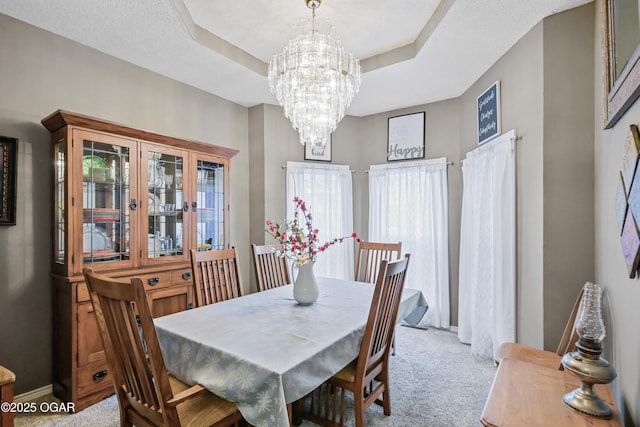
column 569, row 338
column 271, row 268
column 370, row 255
column 383, row 313
column 216, row 276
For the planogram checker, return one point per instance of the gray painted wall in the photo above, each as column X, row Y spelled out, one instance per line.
column 611, row 270
column 40, row 74
column 568, row 164
column 546, row 97
column 521, row 82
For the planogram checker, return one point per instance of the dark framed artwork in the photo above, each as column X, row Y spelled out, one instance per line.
column 8, row 179
column 405, row 137
column 319, row 153
column 621, row 57
column 489, row 123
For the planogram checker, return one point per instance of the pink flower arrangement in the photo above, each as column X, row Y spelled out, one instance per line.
column 300, row 240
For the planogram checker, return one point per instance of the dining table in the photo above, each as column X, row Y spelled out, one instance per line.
column 264, row 351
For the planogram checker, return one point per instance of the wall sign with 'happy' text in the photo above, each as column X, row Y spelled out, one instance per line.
column 489, row 113
column 405, row 137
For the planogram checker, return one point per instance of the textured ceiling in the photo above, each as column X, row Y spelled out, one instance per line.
column 412, row 52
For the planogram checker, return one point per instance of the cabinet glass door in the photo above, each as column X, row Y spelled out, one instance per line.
column 165, row 205
column 210, row 212
column 106, row 200
column 60, row 192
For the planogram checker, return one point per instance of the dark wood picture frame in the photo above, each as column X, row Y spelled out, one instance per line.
column 8, row 179
column 406, row 137
column 621, row 86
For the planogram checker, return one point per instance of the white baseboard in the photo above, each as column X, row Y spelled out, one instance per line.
column 36, row 394
column 453, row 329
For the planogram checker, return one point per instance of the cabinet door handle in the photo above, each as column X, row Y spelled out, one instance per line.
column 134, row 204
column 154, row 281
column 194, row 206
column 99, row 375
column 185, row 206
column 186, row 276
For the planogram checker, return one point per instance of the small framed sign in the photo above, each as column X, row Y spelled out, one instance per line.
column 405, row 138
column 489, row 114
column 318, row 152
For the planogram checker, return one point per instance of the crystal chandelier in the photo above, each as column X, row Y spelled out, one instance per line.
column 314, row 79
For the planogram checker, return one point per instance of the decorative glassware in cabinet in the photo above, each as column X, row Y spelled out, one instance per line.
column 106, row 194
column 165, row 205
column 210, row 206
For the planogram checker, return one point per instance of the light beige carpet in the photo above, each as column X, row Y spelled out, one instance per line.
column 435, row 383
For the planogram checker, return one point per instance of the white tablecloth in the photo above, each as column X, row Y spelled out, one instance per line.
column 264, row 350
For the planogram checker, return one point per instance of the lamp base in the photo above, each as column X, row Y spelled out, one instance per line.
column 590, row 369
column 586, row 401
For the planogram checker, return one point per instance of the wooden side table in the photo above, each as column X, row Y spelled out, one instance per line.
column 525, row 393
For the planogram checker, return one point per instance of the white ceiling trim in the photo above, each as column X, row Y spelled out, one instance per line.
column 218, row 44
column 393, row 56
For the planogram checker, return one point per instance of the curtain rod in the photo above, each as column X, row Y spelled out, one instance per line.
column 449, row 163
column 352, row 170
column 513, row 139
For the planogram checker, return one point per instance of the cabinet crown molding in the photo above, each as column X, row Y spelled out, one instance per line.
column 61, row 118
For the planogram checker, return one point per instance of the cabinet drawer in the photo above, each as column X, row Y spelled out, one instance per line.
column 156, row 280
column 170, row 300
column 93, row 378
column 181, row 277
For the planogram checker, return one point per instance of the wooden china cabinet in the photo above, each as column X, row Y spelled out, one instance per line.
column 126, row 203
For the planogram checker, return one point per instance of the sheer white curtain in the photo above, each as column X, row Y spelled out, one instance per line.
column 408, row 203
column 487, row 292
column 328, row 193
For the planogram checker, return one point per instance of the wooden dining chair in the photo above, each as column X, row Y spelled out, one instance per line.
column 370, row 254
column 216, row 276
column 147, row 394
column 271, row 268
column 7, row 380
column 527, row 353
column 367, row 377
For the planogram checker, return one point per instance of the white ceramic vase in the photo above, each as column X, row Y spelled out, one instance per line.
column 305, row 287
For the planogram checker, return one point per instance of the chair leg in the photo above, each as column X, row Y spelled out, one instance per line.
column 6, row 395
column 358, row 397
column 386, row 397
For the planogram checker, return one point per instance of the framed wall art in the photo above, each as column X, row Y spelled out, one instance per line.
column 489, row 124
column 405, row 137
column 621, row 57
column 8, row 179
column 319, row 153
